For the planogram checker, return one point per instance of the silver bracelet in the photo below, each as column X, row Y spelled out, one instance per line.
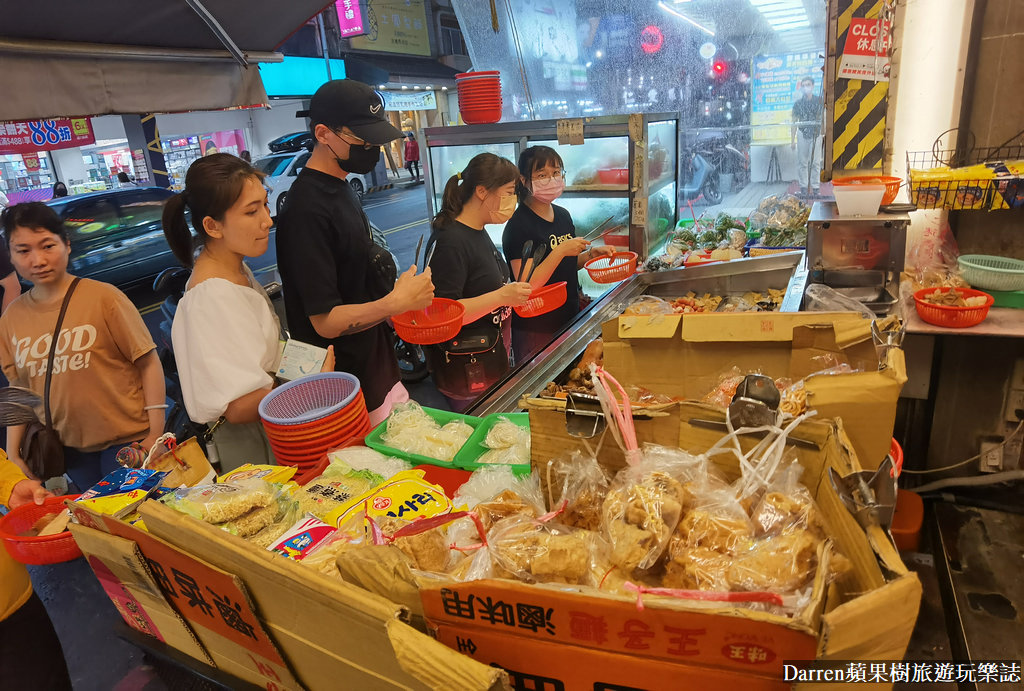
column 159, row 406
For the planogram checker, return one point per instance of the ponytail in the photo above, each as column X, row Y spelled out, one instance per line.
column 486, row 169
column 176, row 230
column 212, row 186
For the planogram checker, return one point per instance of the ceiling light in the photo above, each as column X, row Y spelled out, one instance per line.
column 598, row 54
column 404, row 87
column 428, row 87
column 444, row 88
column 417, row 87
column 682, row 16
column 382, row 86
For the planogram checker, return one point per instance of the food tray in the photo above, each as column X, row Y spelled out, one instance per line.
column 764, row 250
column 442, row 417
column 50, row 549
column 990, row 272
column 467, row 457
column 1012, row 299
column 949, row 316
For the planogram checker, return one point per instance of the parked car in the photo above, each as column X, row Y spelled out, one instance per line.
column 117, row 235
column 281, row 170
column 292, row 142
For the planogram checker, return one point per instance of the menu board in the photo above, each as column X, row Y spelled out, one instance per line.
column 776, row 83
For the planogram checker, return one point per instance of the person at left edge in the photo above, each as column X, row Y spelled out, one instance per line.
column 31, row 656
column 339, row 287
column 108, row 385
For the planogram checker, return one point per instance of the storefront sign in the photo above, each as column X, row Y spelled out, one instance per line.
column 423, row 100
column 401, row 28
column 31, row 162
column 350, row 18
column 866, row 53
column 30, row 136
column 776, row 83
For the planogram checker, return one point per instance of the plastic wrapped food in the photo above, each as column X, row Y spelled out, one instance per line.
column 363, row 458
column 267, row 473
column 221, row 502
column 509, row 444
column 427, row 550
column 337, row 486
column 406, row 496
column 580, row 483
column 648, row 305
column 780, row 211
column 412, row 430
column 777, row 563
column 324, row 557
column 531, row 551
column 642, row 508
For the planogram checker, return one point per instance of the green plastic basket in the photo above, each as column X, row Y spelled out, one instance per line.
column 988, row 272
column 442, row 417
column 1003, row 298
column 474, row 448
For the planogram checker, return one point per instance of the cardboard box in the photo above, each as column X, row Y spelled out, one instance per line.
column 685, row 355
column 587, row 640
column 334, row 635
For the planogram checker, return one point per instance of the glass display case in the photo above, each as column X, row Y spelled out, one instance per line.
column 628, row 174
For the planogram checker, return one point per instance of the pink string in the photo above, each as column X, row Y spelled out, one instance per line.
column 623, row 417
column 552, row 514
column 422, row 525
column 706, row 595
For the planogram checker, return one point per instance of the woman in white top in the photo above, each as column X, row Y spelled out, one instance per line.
column 226, row 336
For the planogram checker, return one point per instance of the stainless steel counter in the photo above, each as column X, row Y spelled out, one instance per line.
column 725, row 278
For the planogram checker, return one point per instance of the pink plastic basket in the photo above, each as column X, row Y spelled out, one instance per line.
column 309, row 399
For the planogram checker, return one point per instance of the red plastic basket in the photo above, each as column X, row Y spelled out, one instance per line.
column 892, row 184
column 438, row 323
column 544, row 300
column 51, row 549
column 948, row 316
column 617, row 267
column 304, row 444
column 326, row 429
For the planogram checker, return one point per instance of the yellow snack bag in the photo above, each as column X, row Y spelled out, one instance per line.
column 406, row 496
column 268, row 473
column 116, row 505
column 928, row 187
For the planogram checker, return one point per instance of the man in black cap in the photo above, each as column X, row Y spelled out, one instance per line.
column 339, row 287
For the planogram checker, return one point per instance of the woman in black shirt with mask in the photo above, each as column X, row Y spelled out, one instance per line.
column 466, row 266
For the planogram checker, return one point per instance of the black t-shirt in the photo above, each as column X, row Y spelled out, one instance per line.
column 466, row 264
column 808, row 110
column 6, row 268
column 527, row 225
column 327, row 258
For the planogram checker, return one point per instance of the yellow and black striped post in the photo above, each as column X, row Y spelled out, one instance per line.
column 858, row 113
column 155, row 152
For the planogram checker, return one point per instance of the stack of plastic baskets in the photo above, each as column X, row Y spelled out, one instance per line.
column 306, row 418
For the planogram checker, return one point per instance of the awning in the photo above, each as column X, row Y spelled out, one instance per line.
column 64, row 58
column 392, row 68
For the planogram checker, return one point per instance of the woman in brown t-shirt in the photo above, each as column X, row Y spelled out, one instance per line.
column 107, row 388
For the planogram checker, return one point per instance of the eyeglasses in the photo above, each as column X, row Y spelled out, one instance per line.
column 544, row 177
column 347, row 138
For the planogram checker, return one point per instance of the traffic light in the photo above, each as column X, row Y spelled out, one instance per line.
column 719, row 69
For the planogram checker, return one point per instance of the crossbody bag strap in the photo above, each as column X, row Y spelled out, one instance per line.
column 53, row 351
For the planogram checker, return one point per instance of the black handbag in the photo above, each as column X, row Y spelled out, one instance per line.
column 470, row 363
column 41, row 448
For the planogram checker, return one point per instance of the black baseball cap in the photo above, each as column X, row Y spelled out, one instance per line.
column 348, row 103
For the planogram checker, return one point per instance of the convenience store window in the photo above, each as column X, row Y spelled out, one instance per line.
column 733, row 70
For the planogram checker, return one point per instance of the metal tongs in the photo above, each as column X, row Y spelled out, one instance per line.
column 592, row 235
column 427, row 258
column 887, row 333
column 584, row 418
column 869, row 495
column 755, row 404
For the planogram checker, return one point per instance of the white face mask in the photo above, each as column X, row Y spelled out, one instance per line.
column 506, row 207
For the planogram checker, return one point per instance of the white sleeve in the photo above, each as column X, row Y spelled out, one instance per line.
column 219, row 347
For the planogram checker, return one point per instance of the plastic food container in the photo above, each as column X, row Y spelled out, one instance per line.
column 439, row 322
column 442, row 417
column 892, row 184
column 858, row 200
column 991, row 272
column 544, row 300
column 949, row 316
column 50, row 549
column 468, row 457
column 617, row 267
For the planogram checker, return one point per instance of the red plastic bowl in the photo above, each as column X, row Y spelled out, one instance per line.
column 617, row 267
column 338, row 419
column 544, row 300
column 948, row 316
column 474, row 75
column 439, row 322
column 613, row 176
column 332, row 430
column 51, row 549
column 892, row 184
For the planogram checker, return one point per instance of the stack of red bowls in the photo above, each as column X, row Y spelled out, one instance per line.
column 479, row 97
column 306, row 418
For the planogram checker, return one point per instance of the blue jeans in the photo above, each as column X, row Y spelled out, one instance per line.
column 86, row 468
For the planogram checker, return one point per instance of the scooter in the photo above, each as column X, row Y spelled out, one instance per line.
column 702, row 179
column 716, row 148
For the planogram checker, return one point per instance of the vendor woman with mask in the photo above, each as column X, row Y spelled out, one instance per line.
column 541, row 181
column 466, row 267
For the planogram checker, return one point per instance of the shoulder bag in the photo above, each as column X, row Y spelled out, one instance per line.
column 41, row 448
